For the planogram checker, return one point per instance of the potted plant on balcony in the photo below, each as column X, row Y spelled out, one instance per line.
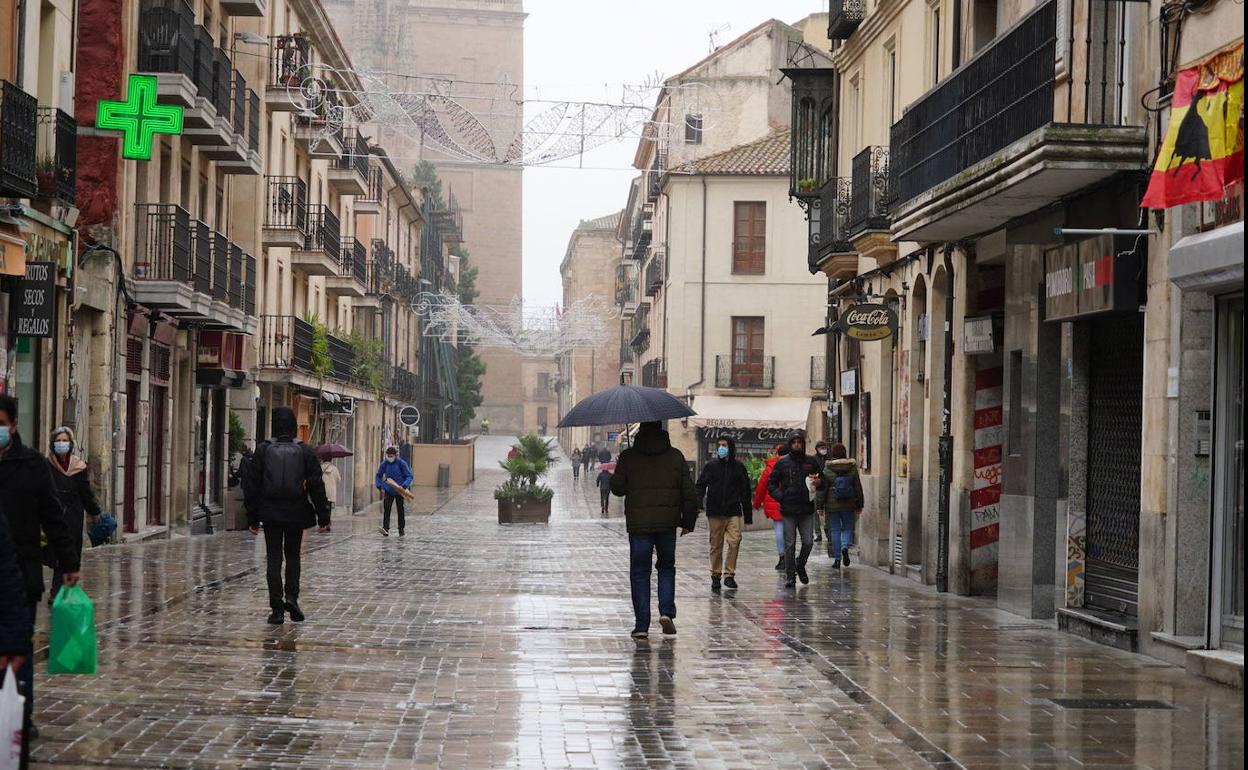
column 807, row 185
column 521, row 498
column 45, row 173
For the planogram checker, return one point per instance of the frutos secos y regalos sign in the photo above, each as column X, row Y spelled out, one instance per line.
column 868, row 322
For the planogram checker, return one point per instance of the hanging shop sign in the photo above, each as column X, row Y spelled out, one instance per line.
column 868, row 322
column 139, row 118
column 33, row 306
column 1093, row 276
column 769, row 436
column 977, row 335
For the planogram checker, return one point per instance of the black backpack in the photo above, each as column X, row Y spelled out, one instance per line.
column 284, row 471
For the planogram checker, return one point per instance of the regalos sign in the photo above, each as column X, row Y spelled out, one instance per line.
column 868, row 322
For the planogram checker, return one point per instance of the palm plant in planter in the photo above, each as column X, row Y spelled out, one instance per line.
column 521, row 497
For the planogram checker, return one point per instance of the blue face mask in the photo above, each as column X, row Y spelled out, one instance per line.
column 391, row 459
column 5, row 436
column 61, row 447
column 721, row 452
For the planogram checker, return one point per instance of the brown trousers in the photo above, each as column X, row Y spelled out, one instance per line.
column 725, row 530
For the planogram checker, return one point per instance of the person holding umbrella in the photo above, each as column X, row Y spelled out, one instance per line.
column 327, row 453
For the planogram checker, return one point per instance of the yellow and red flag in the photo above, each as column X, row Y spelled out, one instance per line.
column 1203, row 151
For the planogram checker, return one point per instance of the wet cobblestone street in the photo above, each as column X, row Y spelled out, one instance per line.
column 472, row 645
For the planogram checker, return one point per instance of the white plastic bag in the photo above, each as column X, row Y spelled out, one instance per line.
column 11, row 703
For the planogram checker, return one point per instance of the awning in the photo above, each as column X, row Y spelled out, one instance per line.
column 748, row 412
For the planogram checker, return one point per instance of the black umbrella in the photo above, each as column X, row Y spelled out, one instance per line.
column 626, row 404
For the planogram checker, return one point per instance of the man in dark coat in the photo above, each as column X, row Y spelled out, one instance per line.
column 16, row 628
column 788, row 486
column 284, row 491
column 30, row 504
column 723, row 491
column 659, row 498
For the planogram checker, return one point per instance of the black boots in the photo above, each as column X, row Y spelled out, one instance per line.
column 780, row 564
column 715, row 583
column 292, row 607
column 730, row 583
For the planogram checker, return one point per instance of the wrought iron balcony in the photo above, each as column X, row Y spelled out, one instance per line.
column 745, row 372
column 403, row 385
column 381, row 268
column 348, row 173
column 626, row 286
column 654, row 275
column 829, row 226
column 19, row 118
column 654, row 373
column 844, row 16
column 354, row 260
column 1038, row 113
column 370, row 201
column 290, row 61
column 818, row 373
column 287, row 342
column 58, row 148
column 167, row 48
column 163, row 248
column 639, row 329
column 285, row 211
column 321, row 253
column 870, row 195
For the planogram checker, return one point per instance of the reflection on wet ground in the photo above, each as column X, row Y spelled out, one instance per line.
column 470, row 645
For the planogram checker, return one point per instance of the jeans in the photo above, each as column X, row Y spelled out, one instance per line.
column 840, row 531
column 725, row 531
column 386, row 503
column 778, row 526
column 576, row 470
column 793, row 526
column 642, row 548
column 282, row 541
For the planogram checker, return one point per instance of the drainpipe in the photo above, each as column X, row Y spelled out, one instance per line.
column 946, row 436
column 701, row 305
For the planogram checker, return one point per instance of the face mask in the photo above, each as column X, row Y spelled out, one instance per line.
column 722, row 452
column 60, row 447
column 390, row 459
column 823, row 453
column 4, row 436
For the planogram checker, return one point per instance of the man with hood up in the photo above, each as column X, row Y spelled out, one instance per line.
column 723, row 491
column 285, row 491
column 788, row 486
column 841, row 497
column 659, row 498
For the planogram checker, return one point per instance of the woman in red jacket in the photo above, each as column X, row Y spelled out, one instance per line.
column 770, row 507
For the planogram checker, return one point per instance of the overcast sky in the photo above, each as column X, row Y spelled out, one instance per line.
column 585, row 51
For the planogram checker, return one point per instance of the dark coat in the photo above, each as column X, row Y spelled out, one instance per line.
column 654, row 481
column 787, row 484
column 30, row 503
column 73, row 490
column 15, row 626
column 824, row 500
column 308, row 511
column 724, row 486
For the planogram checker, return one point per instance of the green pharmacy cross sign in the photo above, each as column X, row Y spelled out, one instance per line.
column 139, row 118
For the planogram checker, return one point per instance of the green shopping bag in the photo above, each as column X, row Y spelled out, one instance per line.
column 72, row 644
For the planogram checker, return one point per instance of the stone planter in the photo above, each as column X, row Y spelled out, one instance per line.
column 522, row 511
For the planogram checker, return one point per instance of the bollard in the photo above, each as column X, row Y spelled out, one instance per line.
column 444, row 476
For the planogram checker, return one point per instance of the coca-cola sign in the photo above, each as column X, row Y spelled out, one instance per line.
column 868, row 322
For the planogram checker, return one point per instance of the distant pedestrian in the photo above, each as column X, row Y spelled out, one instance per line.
column 821, row 459
column 485, row 426
column 841, row 497
column 770, row 507
column 333, row 481
column 393, row 478
column 16, row 625
column 30, row 504
column 659, row 498
column 284, row 491
column 576, row 464
column 723, row 491
column 788, row 485
column 72, row 483
column 604, row 490
column 587, row 458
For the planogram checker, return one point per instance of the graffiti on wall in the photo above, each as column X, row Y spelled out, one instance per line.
column 1076, row 555
column 986, row 491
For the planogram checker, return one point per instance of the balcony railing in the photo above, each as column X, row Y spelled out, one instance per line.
column 844, row 16
column 238, row 103
column 167, row 37
column 639, row 330
column 19, row 118
column 745, row 372
column 380, row 268
column 286, row 342
column 220, row 267
column 238, row 289
column 201, row 257
column 205, row 64
column 163, row 247
column 654, row 275
column 654, row 176
column 58, row 150
column 375, row 188
column 253, row 121
column 355, row 153
column 354, row 261
column 870, row 195
column 249, row 287
column 403, row 384
column 654, row 374
column 539, row 393
column 626, row 283
column 818, row 373
column 833, row 212
column 289, row 61
column 286, row 205
column 323, row 232
column 1011, row 88
column 222, row 82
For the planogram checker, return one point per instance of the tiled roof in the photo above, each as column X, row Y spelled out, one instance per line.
column 766, row 157
column 609, row 222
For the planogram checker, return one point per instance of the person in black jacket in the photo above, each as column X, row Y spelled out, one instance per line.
column 16, row 629
column 723, row 491
column 791, row 484
column 284, row 491
column 31, row 505
column 72, row 480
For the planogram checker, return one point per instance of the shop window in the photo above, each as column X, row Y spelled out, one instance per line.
column 749, row 238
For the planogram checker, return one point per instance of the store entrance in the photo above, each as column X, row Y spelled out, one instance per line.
column 1228, row 616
